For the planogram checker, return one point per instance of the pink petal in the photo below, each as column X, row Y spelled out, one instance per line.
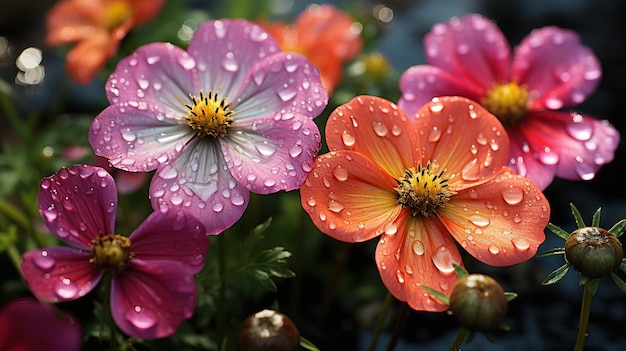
column 417, row 251
column 28, row 325
column 526, row 163
column 285, row 82
column 225, row 50
column 152, row 298
column 556, row 69
column 58, row 273
column 171, row 236
column 200, row 182
column 273, row 152
column 79, row 203
column 471, row 47
column 419, row 84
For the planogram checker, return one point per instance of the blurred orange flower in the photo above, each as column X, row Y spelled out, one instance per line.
column 97, row 27
column 325, row 35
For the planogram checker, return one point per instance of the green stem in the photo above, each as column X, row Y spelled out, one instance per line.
column 585, row 309
column 456, row 344
column 16, row 257
column 106, row 314
column 221, row 306
column 15, row 214
column 380, row 323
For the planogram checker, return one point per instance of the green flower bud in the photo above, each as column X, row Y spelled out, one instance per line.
column 478, row 303
column 268, row 330
column 594, row 252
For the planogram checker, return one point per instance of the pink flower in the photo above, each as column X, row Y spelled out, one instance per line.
column 56, row 332
column 230, row 115
column 550, row 70
column 153, row 288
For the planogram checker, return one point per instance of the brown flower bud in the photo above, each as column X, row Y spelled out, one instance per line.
column 268, row 330
column 478, row 302
column 593, row 252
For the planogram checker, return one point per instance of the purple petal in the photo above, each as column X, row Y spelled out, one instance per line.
column 79, row 203
column 272, row 153
column 171, row 236
column 556, row 68
column 522, row 159
column 151, row 299
column 200, row 182
column 58, row 273
column 224, row 51
column 282, row 82
column 419, row 84
column 472, row 47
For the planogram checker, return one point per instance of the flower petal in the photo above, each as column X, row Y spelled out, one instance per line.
column 151, row 299
column 348, row 197
column 419, row 84
column 501, row 222
column 271, row 153
column 171, row 236
column 78, row 204
column 200, row 182
column 284, row 82
column 555, row 68
column 377, row 129
column 224, row 51
column 419, row 252
column 525, row 163
column 56, row 274
column 472, row 47
column 89, row 55
column 71, row 21
column 463, row 138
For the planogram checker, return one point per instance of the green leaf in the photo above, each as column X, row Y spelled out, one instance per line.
column 595, row 220
column 510, row 296
column 556, row 275
column 618, row 228
column 577, row 217
column 618, row 281
column 550, row 252
column 437, row 294
column 307, row 345
column 8, row 238
column 459, row 270
column 622, row 265
column 558, row 231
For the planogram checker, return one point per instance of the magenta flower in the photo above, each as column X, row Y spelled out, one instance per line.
column 152, row 289
column 28, row 325
column 550, row 70
column 230, row 115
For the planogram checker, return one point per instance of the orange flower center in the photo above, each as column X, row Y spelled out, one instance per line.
column 508, row 102
column 424, row 190
column 111, row 252
column 209, row 115
column 116, row 13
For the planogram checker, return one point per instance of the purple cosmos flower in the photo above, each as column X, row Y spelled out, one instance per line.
column 153, row 288
column 230, row 115
column 550, row 70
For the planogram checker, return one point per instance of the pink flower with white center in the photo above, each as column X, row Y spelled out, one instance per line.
column 230, row 115
column 152, row 271
column 550, row 70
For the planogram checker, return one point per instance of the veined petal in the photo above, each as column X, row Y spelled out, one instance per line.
column 200, row 182
column 56, row 274
column 472, row 47
column 271, row 153
column 419, row 84
column 151, row 299
column 377, row 129
column 556, row 68
column 89, row 55
column 224, row 51
column 460, row 136
column 285, row 82
column 78, row 204
column 138, row 137
column 419, row 251
column 526, row 162
column 171, row 236
column 501, row 222
column 348, row 197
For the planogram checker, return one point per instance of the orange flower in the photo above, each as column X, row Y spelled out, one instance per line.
column 324, row 34
column 419, row 183
column 97, row 27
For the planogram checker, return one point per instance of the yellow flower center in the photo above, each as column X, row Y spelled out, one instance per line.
column 116, row 13
column 508, row 102
column 111, row 252
column 424, row 190
column 209, row 115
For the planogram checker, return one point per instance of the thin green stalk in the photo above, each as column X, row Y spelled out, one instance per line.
column 106, row 314
column 456, row 344
column 15, row 214
column 16, row 257
column 221, row 306
column 380, row 323
column 585, row 309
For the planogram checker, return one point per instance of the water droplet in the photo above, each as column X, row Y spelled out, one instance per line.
column 50, row 213
column 229, row 63
column 187, row 62
column 335, row 206
column 579, row 129
column 44, row 261
column 513, row 195
column 554, row 103
column 494, row 250
column 391, row 229
column 265, row 148
column 380, row 129
column 311, row 202
column 418, row 247
column 471, row 171
column 435, row 105
column 340, row 173
column 442, row 259
column 400, row 276
column 479, row 220
column 168, row 173
column 66, row 289
column 141, row 318
column 521, row 244
column 287, row 93
column 347, row 139
column 434, row 135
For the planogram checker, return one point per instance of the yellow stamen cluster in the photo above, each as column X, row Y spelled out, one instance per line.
column 423, row 190
column 209, row 115
column 508, row 102
column 111, row 252
column 116, row 13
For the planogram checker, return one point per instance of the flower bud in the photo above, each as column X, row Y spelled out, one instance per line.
column 594, row 252
column 268, row 330
column 478, row 302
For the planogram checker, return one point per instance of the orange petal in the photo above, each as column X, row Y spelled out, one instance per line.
column 145, row 10
column 377, row 129
column 501, row 222
column 87, row 57
column 464, row 138
column 69, row 21
column 348, row 197
column 420, row 252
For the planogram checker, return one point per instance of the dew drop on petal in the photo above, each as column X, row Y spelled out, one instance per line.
column 418, row 247
column 340, row 173
column 400, row 276
column 380, row 129
column 434, row 135
column 287, row 93
column 479, row 221
column 141, row 318
column 44, row 261
column 187, row 62
column 435, row 105
column 347, row 139
column 442, row 259
column 470, row 171
column 265, row 148
column 335, row 206
column 66, row 289
column 520, row 244
column 513, row 195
